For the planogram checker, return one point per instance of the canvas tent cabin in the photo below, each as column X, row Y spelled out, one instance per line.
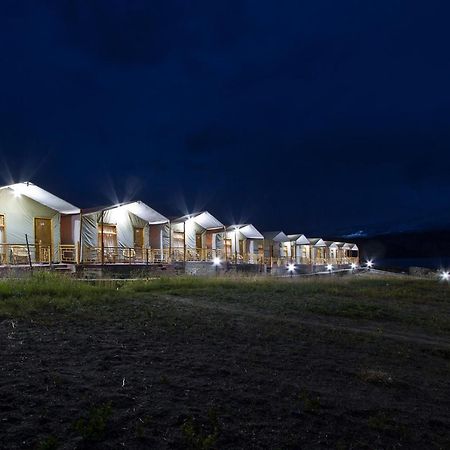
column 276, row 248
column 197, row 237
column 350, row 253
column 28, row 211
column 335, row 252
column 319, row 251
column 125, row 233
column 244, row 244
column 342, row 253
column 300, row 249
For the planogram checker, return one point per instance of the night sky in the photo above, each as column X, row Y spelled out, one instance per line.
column 309, row 117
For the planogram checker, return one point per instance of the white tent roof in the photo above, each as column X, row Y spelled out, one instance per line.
column 355, row 248
column 337, row 245
column 138, row 208
column 276, row 236
column 247, row 230
column 146, row 213
column 43, row 197
column 317, row 242
column 204, row 219
column 299, row 239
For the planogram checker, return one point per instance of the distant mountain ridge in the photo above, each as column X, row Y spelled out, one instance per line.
column 426, row 223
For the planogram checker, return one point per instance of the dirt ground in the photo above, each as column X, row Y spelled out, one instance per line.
column 174, row 371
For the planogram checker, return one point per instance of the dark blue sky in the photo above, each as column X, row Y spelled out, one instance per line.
column 303, row 116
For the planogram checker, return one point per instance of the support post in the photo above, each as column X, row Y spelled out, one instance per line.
column 169, row 257
column 184, row 240
column 235, row 246
column 225, row 242
column 29, row 253
column 79, row 256
column 102, row 245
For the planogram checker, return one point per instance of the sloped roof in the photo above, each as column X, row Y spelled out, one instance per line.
column 276, row 236
column 317, row 242
column 204, row 219
column 138, row 208
column 43, row 197
column 337, row 245
column 299, row 239
column 247, row 230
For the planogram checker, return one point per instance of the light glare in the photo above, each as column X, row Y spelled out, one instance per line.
column 329, row 267
column 369, row 263
column 291, row 267
column 217, row 261
column 445, row 276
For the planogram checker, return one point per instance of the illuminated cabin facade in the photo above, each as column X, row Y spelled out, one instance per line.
column 134, row 233
column 244, row 244
column 28, row 212
column 197, row 237
column 300, row 249
column 127, row 233
column 281, row 249
column 276, row 248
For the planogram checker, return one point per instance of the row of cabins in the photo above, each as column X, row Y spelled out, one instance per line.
column 37, row 226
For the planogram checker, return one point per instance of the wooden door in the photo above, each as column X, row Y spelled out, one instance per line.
column 241, row 248
column 198, row 240
column 139, row 243
column 43, row 239
column 138, row 237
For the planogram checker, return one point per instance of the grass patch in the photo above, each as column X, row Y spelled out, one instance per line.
column 199, row 435
column 375, row 377
column 93, row 427
column 48, row 292
column 422, row 303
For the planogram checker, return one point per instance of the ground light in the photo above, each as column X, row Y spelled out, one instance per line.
column 369, row 264
column 329, row 267
column 445, row 276
column 216, row 264
column 291, row 269
column 353, row 266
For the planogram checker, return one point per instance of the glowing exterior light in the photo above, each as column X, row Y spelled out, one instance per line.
column 291, row 267
column 329, row 267
column 353, row 266
column 369, row 264
column 217, row 261
column 445, row 276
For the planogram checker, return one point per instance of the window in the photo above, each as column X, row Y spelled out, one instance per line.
column 178, row 239
column 109, row 236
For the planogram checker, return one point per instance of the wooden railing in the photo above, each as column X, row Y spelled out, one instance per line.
column 125, row 255
column 196, row 254
column 68, row 254
column 17, row 254
column 282, row 260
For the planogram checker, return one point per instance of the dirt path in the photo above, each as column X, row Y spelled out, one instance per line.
column 378, row 330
